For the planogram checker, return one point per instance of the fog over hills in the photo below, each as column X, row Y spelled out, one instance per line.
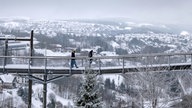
column 152, row 11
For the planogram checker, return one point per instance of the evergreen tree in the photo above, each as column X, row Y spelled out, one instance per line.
column 113, row 85
column 52, row 103
column 122, row 87
column 23, row 93
column 107, row 83
column 89, row 95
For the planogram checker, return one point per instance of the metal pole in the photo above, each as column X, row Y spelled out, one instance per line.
column 45, row 85
column 30, row 81
column 45, row 65
column 146, row 62
column 169, row 62
column 191, row 61
column 99, row 66
column 118, row 61
column 185, row 58
column 45, row 91
column 123, row 71
column 5, row 54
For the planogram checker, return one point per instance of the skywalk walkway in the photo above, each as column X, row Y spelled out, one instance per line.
column 103, row 64
column 24, row 69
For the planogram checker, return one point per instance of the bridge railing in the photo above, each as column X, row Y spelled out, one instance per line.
column 122, row 61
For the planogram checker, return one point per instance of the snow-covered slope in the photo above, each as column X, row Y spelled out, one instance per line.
column 38, row 90
column 133, row 37
column 37, row 94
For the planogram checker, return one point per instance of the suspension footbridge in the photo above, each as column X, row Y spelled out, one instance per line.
column 60, row 65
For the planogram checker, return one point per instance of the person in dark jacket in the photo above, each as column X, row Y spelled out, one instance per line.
column 73, row 62
column 90, row 55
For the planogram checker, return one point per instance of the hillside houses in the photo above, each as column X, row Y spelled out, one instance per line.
column 7, row 82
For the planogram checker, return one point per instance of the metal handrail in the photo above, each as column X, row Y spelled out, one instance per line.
column 100, row 57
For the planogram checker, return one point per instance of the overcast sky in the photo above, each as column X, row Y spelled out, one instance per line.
column 160, row 11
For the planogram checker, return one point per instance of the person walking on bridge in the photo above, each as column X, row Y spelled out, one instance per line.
column 90, row 55
column 73, row 62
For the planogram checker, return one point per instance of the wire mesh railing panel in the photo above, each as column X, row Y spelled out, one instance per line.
column 37, row 62
column 144, row 62
column 57, row 62
column 1, row 61
column 133, row 61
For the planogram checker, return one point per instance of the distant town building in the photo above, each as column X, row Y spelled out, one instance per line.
column 107, row 53
column 56, row 47
column 7, row 81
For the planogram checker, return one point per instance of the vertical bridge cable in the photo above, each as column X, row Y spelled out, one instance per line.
column 123, row 70
column 29, row 64
column 4, row 64
column 191, row 61
column 185, row 56
column 45, row 63
column 146, row 63
column 5, row 54
column 99, row 66
column 70, row 69
column 82, row 62
column 169, row 68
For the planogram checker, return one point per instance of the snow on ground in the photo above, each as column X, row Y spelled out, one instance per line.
column 17, row 100
column 184, row 33
column 115, row 44
column 121, row 96
column 86, row 49
column 108, row 53
column 189, row 91
column 9, row 93
column 59, row 98
column 38, row 90
column 7, row 78
column 128, row 28
column 116, row 77
column 47, row 52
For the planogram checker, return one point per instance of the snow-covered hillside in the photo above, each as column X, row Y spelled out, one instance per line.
column 58, row 38
column 84, row 28
column 120, row 37
column 18, row 102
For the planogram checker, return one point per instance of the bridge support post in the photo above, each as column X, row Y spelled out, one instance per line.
column 185, row 57
column 5, row 54
column 146, row 63
column 82, row 62
column 191, row 61
column 45, row 91
column 99, row 66
column 31, row 63
column 123, row 71
column 45, row 85
column 169, row 68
